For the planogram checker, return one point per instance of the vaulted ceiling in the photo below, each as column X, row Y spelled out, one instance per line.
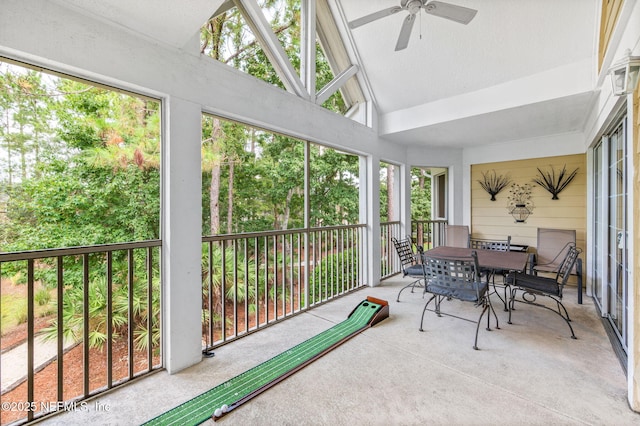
column 520, row 69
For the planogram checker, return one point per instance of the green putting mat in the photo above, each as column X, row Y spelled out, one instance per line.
column 225, row 397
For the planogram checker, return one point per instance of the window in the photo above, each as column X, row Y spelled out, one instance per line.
column 440, row 196
column 237, row 36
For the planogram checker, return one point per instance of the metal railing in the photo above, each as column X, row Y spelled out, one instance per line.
column 428, row 233
column 425, row 233
column 389, row 260
column 91, row 321
column 102, row 303
column 253, row 280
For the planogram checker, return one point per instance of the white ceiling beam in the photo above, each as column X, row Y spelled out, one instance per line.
column 224, row 7
column 308, row 46
column 562, row 82
column 271, row 47
column 335, row 84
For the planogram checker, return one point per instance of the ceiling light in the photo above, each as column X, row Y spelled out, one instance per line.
column 624, row 74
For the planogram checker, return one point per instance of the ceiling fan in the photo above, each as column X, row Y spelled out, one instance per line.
column 462, row 15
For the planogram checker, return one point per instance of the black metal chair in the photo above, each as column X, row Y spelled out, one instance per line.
column 409, row 262
column 490, row 274
column 456, row 279
column 533, row 286
column 551, row 249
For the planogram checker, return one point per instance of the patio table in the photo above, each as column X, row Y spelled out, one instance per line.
column 489, row 259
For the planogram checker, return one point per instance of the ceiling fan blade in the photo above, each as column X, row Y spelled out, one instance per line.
column 460, row 14
column 374, row 17
column 405, row 32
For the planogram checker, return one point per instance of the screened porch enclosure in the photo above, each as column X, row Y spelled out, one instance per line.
column 257, row 194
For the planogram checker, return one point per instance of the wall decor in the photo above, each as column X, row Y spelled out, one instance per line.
column 493, row 183
column 555, row 183
column 519, row 202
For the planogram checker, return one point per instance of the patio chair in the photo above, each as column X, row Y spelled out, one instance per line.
column 552, row 248
column 409, row 262
column 456, row 235
column 456, row 279
column 533, row 286
column 490, row 274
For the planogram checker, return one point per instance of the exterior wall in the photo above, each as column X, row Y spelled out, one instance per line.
column 620, row 31
column 610, row 12
column 491, row 219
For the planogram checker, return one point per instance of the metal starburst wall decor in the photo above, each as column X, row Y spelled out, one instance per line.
column 493, row 183
column 555, row 183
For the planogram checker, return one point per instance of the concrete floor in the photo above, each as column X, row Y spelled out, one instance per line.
column 530, row 372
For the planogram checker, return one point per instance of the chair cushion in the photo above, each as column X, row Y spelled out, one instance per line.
column 413, row 271
column 534, row 283
column 464, row 293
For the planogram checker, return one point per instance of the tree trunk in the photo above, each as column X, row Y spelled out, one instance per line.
column 214, row 188
column 8, row 145
column 287, row 208
column 214, row 199
column 230, row 200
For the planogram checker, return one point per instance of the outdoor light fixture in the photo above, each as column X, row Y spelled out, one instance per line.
column 624, row 74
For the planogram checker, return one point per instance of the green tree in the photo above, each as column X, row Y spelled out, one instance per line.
column 83, row 169
column 102, row 185
column 420, row 194
column 277, row 174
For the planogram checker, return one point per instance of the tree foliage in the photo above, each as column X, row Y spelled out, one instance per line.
column 254, row 180
column 420, row 194
column 80, row 167
column 86, row 170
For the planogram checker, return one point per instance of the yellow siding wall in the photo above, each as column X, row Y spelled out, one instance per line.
column 491, row 219
column 610, row 12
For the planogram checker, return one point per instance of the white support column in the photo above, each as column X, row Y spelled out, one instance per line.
column 181, row 235
column 459, row 195
column 404, row 180
column 370, row 214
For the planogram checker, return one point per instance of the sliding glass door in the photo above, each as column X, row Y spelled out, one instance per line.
column 610, row 265
column 617, row 226
column 599, row 225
